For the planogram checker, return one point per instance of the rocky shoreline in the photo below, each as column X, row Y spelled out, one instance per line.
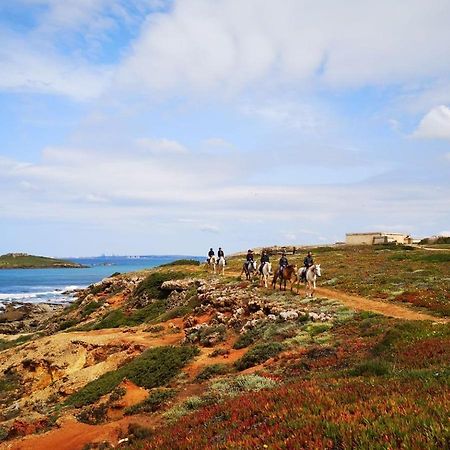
column 18, row 317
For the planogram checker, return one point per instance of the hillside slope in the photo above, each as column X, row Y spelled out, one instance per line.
column 222, row 362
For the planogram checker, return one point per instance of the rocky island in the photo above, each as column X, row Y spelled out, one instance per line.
column 25, row 261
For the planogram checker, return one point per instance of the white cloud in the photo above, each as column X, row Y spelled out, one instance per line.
column 228, row 44
column 435, row 124
column 289, row 114
column 34, row 67
column 160, row 146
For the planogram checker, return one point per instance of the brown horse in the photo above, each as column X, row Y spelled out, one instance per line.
column 284, row 274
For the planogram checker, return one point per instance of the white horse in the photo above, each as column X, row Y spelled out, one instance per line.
column 249, row 268
column 221, row 263
column 311, row 276
column 212, row 263
column 265, row 272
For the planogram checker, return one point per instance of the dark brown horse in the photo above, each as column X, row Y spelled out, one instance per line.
column 284, row 275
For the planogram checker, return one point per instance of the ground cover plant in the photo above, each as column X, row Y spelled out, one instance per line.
column 154, row 368
column 319, row 414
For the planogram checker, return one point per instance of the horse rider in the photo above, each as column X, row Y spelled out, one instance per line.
column 210, row 254
column 264, row 259
column 307, row 262
column 283, row 262
column 220, row 253
column 249, row 258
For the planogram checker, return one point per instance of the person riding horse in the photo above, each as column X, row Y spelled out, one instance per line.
column 210, row 254
column 220, row 254
column 264, row 259
column 283, row 262
column 307, row 262
column 249, row 258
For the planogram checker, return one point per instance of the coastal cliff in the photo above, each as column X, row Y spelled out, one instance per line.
column 221, row 361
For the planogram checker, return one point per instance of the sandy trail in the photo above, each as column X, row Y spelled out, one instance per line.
column 365, row 304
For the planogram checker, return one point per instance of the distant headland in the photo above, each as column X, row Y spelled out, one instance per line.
column 25, row 261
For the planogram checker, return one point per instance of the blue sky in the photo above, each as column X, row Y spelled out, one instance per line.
column 152, row 126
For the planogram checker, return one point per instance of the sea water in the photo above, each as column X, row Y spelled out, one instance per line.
column 53, row 285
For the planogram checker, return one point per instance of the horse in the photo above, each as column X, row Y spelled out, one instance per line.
column 284, row 274
column 212, row 263
column 249, row 268
column 221, row 263
column 265, row 272
column 312, row 273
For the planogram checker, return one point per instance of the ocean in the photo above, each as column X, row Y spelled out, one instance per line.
column 51, row 285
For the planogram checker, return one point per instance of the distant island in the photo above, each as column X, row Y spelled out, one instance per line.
column 25, row 261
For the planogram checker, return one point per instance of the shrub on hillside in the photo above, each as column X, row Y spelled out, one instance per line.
column 150, row 287
column 152, row 403
column 154, row 368
column 182, row 262
column 211, row 371
column 258, row 354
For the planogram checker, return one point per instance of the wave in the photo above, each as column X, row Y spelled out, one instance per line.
column 60, row 295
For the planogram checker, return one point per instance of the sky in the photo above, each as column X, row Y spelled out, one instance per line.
column 169, row 127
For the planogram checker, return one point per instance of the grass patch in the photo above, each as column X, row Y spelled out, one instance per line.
column 371, row 368
column 258, row 354
column 154, row 368
column 212, row 371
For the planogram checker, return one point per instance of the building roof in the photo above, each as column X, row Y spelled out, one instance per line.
column 379, row 233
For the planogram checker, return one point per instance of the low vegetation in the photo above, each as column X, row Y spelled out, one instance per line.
column 154, row 368
column 152, row 403
column 182, row 262
column 258, row 354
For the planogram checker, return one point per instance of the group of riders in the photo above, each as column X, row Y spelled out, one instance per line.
column 283, row 263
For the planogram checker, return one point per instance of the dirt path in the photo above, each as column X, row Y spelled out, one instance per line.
column 378, row 306
column 365, row 304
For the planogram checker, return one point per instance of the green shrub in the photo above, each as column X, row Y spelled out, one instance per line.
column 154, row 368
column 152, row 403
column 248, row 338
column 179, row 311
column 150, row 287
column 212, row 371
column 3, row 433
column 371, row 368
column 206, row 333
column 117, row 317
column 69, row 323
column 117, row 394
column 91, row 307
column 5, row 344
column 258, row 354
column 93, row 415
column 182, row 262
column 138, row 432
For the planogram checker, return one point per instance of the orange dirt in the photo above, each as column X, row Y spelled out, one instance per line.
column 74, row 435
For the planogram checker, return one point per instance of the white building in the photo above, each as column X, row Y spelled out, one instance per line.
column 377, row 237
